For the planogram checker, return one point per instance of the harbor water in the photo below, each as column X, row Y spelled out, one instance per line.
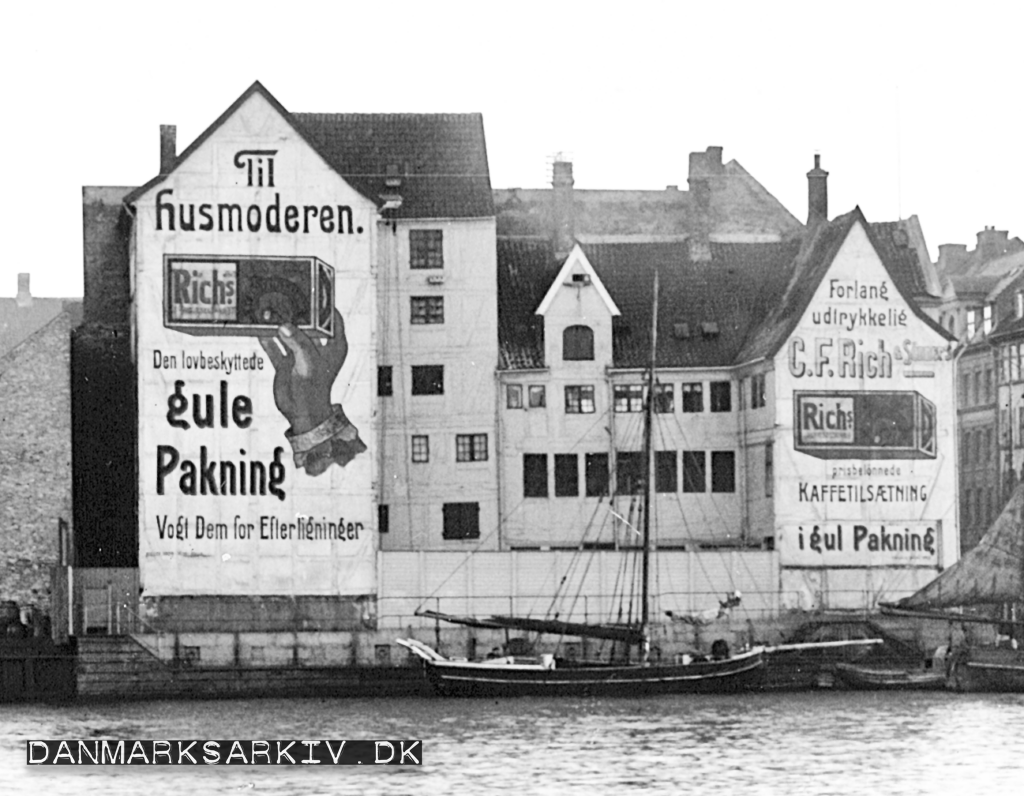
column 825, row 742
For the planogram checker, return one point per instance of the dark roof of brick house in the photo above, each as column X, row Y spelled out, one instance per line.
column 439, row 159
column 903, row 262
column 20, row 324
column 526, row 269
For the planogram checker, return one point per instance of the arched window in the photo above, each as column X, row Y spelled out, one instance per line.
column 577, row 343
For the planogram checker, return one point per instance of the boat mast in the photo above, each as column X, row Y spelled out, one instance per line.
column 645, row 636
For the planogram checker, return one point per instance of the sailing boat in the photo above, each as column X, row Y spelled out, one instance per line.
column 544, row 676
column 992, row 574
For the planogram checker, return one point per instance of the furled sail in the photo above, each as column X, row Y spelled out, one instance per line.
column 626, row 633
column 990, row 573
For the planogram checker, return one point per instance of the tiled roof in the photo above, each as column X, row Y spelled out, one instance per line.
column 719, row 300
column 731, row 293
column 18, row 324
column 905, row 267
column 439, row 159
column 738, row 204
column 526, row 269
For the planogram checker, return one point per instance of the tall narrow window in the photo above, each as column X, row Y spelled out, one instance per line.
column 597, row 474
column 1020, row 303
column 461, row 520
column 664, row 399
column 723, row 471
column 427, row 309
column 629, row 472
column 383, row 519
column 721, row 396
column 758, row 391
column 426, row 248
column 514, row 396
column 666, row 478
column 986, row 319
column 567, row 475
column 769, row 469
column 694, row 471
column 693, row 396
column 577, row 343
column 535, row 475
column 538, row 396
column 428, row 379
column 972, row 322
column 384, row 387
column 420, row 448
column 579, row 399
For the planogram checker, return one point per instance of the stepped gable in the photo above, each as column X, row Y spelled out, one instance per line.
column 526, row 269
column 436, row 162
column 719, row 300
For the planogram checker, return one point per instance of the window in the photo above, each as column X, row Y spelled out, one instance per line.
column 579, row 399
column 426, row 248
column 976, row 394
column 1020, row 303
column 1014, row 363
column 461, row 520
column 597, row 474
column 769, row 469
column 514, row 396
column 383, row 519
column 664, row 399
column 721, row 396
column 758, row 391
column 567, row 475
column 723, row 471
column 986, row 321
column 629, row 397
column 471, row 447
column 427, row 309
column 1020, row 426
column 428, row 379
column 535, row 475
column 694, row 471
column 420, row 448
column 971, row 323
column 384, row 381
column 629, row 472
column 538, row 397
column 577, row 343
column 693, row 396
column 988, row 385
column 665, row 472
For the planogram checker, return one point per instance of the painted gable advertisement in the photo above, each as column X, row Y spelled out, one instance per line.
column 866, row 473
column 254, row 312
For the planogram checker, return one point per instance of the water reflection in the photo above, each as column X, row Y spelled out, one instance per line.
column 816, row 743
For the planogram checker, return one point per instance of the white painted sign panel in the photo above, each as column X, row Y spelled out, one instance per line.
column 254, row 313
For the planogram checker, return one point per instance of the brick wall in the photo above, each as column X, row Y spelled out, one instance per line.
column 35, row 461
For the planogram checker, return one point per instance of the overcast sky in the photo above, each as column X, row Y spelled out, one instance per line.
column 913, row 110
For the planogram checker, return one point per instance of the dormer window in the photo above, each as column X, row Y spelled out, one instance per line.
column 1020, row 303
column 577, row 343
column 972, row 319
column 986, row 323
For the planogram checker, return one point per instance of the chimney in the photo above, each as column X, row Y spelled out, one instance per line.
column 992, row 243
column 564, row 220
column 817, row 193
column 24, row 297
column 168, row 147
